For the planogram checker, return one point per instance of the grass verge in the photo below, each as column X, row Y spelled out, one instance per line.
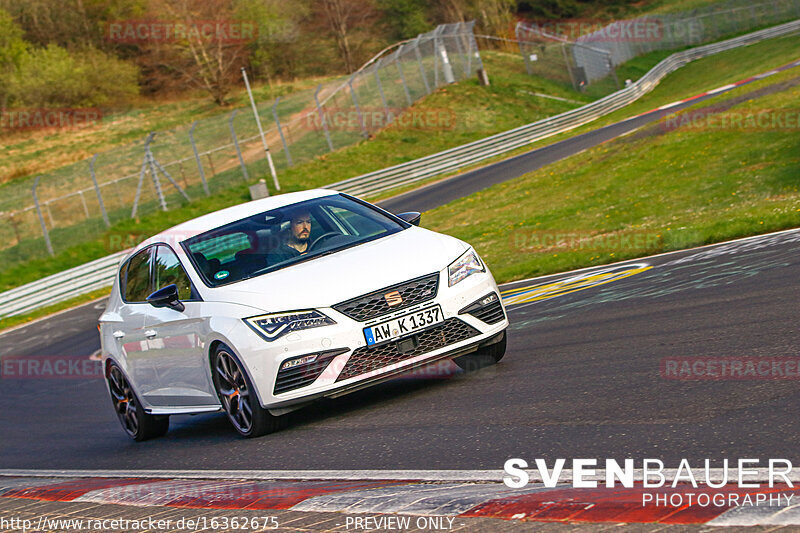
column 653, row 191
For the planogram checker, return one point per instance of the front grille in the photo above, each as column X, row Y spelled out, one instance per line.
column 374, row 304
column 491, row 314
column 300, row 376
column 368, row 359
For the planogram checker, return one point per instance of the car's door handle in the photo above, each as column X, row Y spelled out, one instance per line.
column 150, row 333
column 118, row 334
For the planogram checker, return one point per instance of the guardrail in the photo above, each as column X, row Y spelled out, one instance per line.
column 62, row 286
column 474, row 152
column 100, row 273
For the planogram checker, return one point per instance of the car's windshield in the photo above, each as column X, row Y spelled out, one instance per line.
column 281, row 237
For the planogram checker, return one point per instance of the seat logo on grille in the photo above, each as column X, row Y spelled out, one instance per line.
column 393, row 298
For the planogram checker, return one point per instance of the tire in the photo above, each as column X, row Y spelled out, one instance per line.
column 238, row 397
column 138, row 424
column 483, row 357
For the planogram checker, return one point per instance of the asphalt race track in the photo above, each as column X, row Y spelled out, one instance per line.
column 586, row 375
column 582, row 378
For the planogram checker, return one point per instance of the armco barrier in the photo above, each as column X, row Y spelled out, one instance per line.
column 62, row 286
column 100, row 273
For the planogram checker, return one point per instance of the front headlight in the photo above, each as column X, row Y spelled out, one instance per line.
column 463, row 267
column 275, row 325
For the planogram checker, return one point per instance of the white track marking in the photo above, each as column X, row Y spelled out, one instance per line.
column 716, row 474
column 511, row 284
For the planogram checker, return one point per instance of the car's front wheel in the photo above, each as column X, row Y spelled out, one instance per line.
column 238, row 397
column 138, row 424
column 483, row 357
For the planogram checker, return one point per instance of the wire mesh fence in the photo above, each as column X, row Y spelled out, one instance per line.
column 583, row 52
column 46, row 214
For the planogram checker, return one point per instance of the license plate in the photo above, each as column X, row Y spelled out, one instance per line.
column 404, row 325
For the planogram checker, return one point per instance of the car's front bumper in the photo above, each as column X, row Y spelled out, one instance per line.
column 348, row 364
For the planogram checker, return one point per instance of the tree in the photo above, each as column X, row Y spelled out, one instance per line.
column 405, row 18
column 71, row 23
column 52, row 76
column 278, row 49
column 12, row 51
column 495, row 17
column 209, row 60
column 348, row 22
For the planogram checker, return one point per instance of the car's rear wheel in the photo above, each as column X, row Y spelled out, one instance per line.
column 483, row 357
column 238, row 397
column 138, row 424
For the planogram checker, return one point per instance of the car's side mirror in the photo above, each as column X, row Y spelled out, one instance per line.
column 412, row 217
column 166, row 297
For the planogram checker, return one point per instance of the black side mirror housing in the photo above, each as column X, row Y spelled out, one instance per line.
column 412, row 217
column 166, row 297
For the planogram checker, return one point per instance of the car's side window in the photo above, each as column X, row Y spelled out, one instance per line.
column 168, row 270
column 362, row 225
column 137, row 277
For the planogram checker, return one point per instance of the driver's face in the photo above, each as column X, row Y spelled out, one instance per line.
column 301, row 227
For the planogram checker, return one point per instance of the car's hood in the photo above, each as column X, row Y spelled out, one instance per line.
column 331, row 279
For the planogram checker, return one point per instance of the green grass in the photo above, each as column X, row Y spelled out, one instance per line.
column 29, row 152
column 673, row 189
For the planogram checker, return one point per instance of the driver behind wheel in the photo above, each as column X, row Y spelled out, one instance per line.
column 297, row 241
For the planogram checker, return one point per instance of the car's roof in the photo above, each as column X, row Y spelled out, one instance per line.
column 196, row 226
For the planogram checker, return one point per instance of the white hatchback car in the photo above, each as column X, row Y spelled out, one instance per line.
column 260, row 308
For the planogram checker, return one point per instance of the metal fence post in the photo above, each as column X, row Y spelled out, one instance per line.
column 436, row 59
column 280, row 131
column 569, row 68
column 402, row 76
column 447, row 68
column 171, row 180
column 522, row 51
column 197, row 159
column 41, row 218
column 261, row 133
column 97, row 191
column 460, row 48
column 421, row 68
column 380, row 90
column 148, row 155
column 245, row 175
column 83, row 203
column 364, row 132
column 322, row 117
column 142, row 172
column 474, row 45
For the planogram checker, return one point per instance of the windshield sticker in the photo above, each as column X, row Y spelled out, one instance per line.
column 222, row 274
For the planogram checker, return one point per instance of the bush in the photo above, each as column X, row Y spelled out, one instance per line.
column 55, row 77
